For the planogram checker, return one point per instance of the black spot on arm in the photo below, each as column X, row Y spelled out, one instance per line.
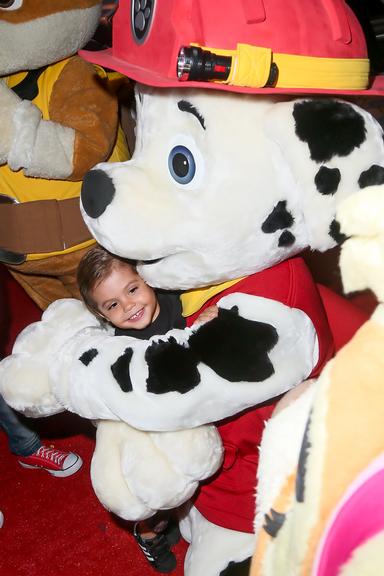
column 327, row 180
column 372, row 177
column 278, row 219
column 329, row 128
column 120, row 370
column 273, row 523
column 172, row 368
column 234, row 347
column 87, row 357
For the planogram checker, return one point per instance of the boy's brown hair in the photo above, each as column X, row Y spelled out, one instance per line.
column 94, row 266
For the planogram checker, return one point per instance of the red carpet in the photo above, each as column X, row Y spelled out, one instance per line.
column 56, row 526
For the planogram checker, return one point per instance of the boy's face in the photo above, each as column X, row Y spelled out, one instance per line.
column 125, row 300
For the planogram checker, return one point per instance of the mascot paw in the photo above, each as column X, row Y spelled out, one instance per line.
column 25, row 376
column 241, row 346
column 362, row 255
column 136, row 473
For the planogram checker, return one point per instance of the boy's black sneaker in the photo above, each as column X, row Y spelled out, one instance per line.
column 157, row 552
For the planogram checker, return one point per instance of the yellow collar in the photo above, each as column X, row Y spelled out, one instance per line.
column 193, row 300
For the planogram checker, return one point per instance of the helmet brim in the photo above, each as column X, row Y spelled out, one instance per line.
column 107, row 59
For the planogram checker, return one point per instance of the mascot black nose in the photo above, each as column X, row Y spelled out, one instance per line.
column 97, row 192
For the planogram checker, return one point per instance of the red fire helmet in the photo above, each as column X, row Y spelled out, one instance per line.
column 254, row 46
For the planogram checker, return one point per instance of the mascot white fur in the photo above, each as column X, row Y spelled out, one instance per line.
column 223, row 191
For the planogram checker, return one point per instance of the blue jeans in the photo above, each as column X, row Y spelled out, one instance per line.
column 22, row 441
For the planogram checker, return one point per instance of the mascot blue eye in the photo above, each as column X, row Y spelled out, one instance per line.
column 181, row 164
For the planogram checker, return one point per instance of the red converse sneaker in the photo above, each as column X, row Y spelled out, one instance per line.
column 52, row 460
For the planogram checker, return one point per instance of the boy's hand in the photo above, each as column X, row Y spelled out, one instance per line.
column 208, row 314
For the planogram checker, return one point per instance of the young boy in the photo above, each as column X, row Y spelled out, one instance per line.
column 114, row 292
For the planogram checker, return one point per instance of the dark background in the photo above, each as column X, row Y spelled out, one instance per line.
column 371, row 16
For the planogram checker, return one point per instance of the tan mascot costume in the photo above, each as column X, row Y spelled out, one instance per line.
column 228, row 184
column 58, row 117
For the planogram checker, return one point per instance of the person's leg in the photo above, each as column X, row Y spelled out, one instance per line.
column 152, row 537
column 152, row 526
column 30, row 451
column 22, row 441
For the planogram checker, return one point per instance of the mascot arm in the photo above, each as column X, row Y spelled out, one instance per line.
column 84, row 101
column 180, row 380
column 80, row 133
column 255, row 350
column 136, row 473
column 24, row 375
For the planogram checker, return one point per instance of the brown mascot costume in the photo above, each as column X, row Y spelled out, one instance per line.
column 58, row 117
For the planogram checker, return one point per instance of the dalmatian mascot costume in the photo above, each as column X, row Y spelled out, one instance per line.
column 233, row 175
column 58, row 117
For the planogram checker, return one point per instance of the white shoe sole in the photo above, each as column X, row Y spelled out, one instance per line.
column 58, row 473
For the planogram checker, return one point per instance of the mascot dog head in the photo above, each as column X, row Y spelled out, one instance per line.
column 221, row 184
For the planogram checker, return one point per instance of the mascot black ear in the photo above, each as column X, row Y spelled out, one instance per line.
column 330, row 128
column 234, row 347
